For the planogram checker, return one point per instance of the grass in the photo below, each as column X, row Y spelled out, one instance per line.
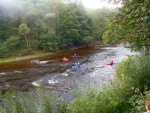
column 12, row 59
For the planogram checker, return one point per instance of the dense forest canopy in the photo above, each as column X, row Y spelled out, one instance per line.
column 49, row 25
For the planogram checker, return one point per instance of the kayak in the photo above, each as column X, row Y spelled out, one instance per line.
column 77, row 66
column 74, row 56
column 65, row 59
column 111, row 63
column 65, row 74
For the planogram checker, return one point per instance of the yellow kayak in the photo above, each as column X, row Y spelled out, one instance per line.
column 66, row 74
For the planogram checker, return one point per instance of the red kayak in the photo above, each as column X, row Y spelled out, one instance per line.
column 111, row 63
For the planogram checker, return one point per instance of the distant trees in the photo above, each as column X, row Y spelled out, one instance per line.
column 74, row 25
column 68, row 26
column 49, row 25
column 13, row 41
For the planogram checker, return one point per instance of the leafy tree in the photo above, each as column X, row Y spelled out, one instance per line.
column 131, row 25
column 45, row 37
column 3, row 49
column 85, row 24
column 88, row 40
column 68, row 26
column 24, row 30
column 13, row 41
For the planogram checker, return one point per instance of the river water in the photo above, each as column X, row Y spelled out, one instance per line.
column 47, row 71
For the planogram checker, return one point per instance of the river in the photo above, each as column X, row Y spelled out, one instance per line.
column 47, row 71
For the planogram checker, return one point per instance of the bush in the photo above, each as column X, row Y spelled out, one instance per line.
column 138, row 102
column 135, row 71
column 111, row 98
column 3, row 50
column 85, row 100
column 40, row 101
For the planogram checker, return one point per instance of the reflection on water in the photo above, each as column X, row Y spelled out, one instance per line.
column 47, row 71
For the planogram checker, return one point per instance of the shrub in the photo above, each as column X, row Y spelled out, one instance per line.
column 41, row 101
column 136, row 72
column 138, row 102
column 111, row 98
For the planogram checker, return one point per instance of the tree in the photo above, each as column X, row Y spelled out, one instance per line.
column 88, row 40
column 131, row 25
column 13, row 41
column 68, row 26
column 24, row 30
column 100, row 19
column 85, row 24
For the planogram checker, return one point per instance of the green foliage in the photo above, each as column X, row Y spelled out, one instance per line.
column 40, row 101
column 111, row 98
column 46, row 39
column 3, row 49
column 50, row 25
column 13, row 41
column 74, row 25
column 88, row 39
column 131, row 25
column 23, row 29
column 85, row 101
column 136, row 71
column 100, row 19
column 138, row 101
column 68, row 26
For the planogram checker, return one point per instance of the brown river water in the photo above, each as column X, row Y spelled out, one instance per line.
column 47, row 71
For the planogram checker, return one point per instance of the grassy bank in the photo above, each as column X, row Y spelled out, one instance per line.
column 12, row 59
column 23, row 55
column 29, row 54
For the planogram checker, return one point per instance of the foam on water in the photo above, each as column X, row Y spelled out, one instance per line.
column 52, row 81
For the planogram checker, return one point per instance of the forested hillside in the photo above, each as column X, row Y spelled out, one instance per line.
column 49, row 25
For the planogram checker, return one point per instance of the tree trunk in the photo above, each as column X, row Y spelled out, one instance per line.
column 26, row 41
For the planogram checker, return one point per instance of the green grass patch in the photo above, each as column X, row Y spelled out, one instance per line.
column 12, row 59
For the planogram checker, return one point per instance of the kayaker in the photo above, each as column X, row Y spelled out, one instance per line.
column 111, row 63
column 75, row 63
column 78, row 65
column 65, row 59
column 68, row 71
